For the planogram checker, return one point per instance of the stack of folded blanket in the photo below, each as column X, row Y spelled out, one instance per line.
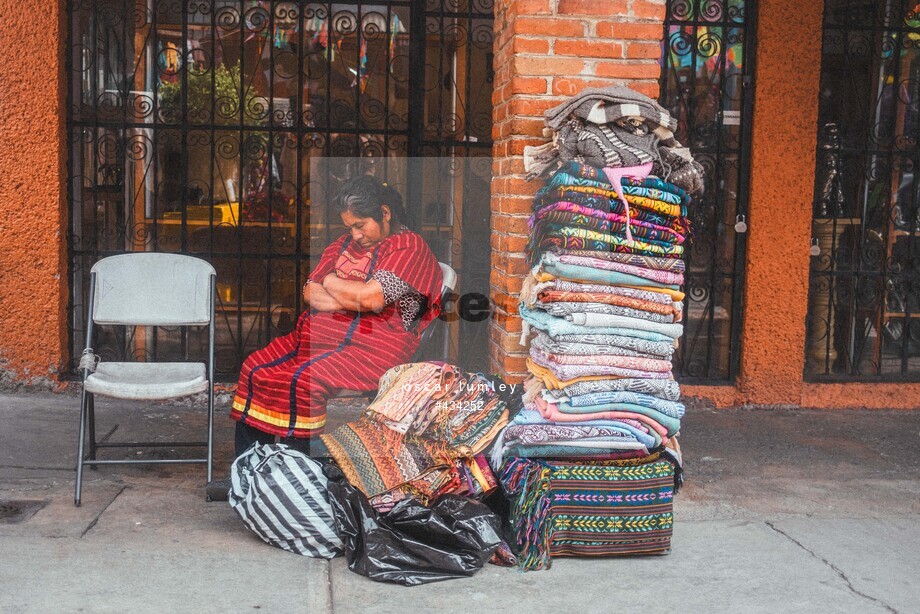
column 602, row 311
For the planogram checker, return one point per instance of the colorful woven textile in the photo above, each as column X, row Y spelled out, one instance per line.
column 664, row 277
column 596, row 399
column 555, row 296
column 440, row 402
column 616, row 346
column 567, row 237
column 421, row 434
column 565, row 308
column 660, row 349
column 547, row 196
column 570, row 371
column 663, row 248
column 613, row 360
column 376, row 459
column 531, row 289
column 552, row 326
column 605, row 321
column 648, row 262
column 661, row 424
column 655, row 206
column 589, row 509
column 571, row 214
column 669, row 389
column 547, row 270
column 562, row 179
column 530, row 417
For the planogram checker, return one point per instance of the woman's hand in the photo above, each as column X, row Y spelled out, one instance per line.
column 355, row 295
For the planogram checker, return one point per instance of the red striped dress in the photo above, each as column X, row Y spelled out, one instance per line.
column 283, row 388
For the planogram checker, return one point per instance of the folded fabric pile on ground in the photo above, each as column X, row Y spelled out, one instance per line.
column 422, row 436
column 592, row 460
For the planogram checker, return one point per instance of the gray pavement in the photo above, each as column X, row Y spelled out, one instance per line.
column 783, row 511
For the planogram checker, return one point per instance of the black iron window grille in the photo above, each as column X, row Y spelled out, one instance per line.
column 192, row 126
column 707, row 60
column 864, row 293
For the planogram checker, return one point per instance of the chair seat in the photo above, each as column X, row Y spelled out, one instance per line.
column 147, row 381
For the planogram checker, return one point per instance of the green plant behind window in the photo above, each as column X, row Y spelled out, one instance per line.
column 225, row 99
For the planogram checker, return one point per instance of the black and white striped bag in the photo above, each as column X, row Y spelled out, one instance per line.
column 281, row 495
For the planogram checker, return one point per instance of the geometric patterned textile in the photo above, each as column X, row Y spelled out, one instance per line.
column 597, row 508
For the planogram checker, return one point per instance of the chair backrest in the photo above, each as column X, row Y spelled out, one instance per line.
column 450, row 278
column 153, row 289
column 448, row 285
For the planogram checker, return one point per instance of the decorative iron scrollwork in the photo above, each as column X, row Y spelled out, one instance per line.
column 192, row 126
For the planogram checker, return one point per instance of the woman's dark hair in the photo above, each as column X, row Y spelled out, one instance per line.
column 363, row 196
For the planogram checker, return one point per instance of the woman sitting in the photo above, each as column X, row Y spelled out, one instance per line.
column 373, row 292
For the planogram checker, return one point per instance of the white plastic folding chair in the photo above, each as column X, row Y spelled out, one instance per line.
column 146, row 289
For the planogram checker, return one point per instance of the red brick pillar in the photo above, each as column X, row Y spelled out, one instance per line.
column 545, row 51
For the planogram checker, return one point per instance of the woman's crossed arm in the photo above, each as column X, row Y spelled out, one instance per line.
column 353, row 295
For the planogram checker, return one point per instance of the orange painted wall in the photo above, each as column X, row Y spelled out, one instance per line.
column 33, row 284
column 787, row 74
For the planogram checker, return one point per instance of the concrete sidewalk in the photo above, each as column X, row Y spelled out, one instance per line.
column 783, row 511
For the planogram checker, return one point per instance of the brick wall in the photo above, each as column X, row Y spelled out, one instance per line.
column 545, row 51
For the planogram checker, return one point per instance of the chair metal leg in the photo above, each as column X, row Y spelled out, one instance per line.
column 210, row 430
column 79, row 485
column 91, row 424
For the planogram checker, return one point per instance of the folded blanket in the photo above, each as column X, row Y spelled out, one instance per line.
column 664, row 277
column 662, row 389
column 568, row 408
column 542, row 433
column 551, row 412
column 657, row 183
column 648, row 262
column 583, row 349
column 559, row 453
column 641, row 202
column 567, row 371
column 529, row 415
column 613, row 345
column 547, row 196
column 531, row 289
column 602, row 105
column 665, row 348
column 566, row 440
column 588, row 402
column 606, row 321
column 566, row 308
column 563, row 177
column 556, row 296
column 589, row 509
column 551, row 265
column 547, row 236
column 640, row 363
column 635, row 221
column 670, row 423
column 560, row 214
column 549, row 379
column 559, row 326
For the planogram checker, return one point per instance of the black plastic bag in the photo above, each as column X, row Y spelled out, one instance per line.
column 412, row 544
